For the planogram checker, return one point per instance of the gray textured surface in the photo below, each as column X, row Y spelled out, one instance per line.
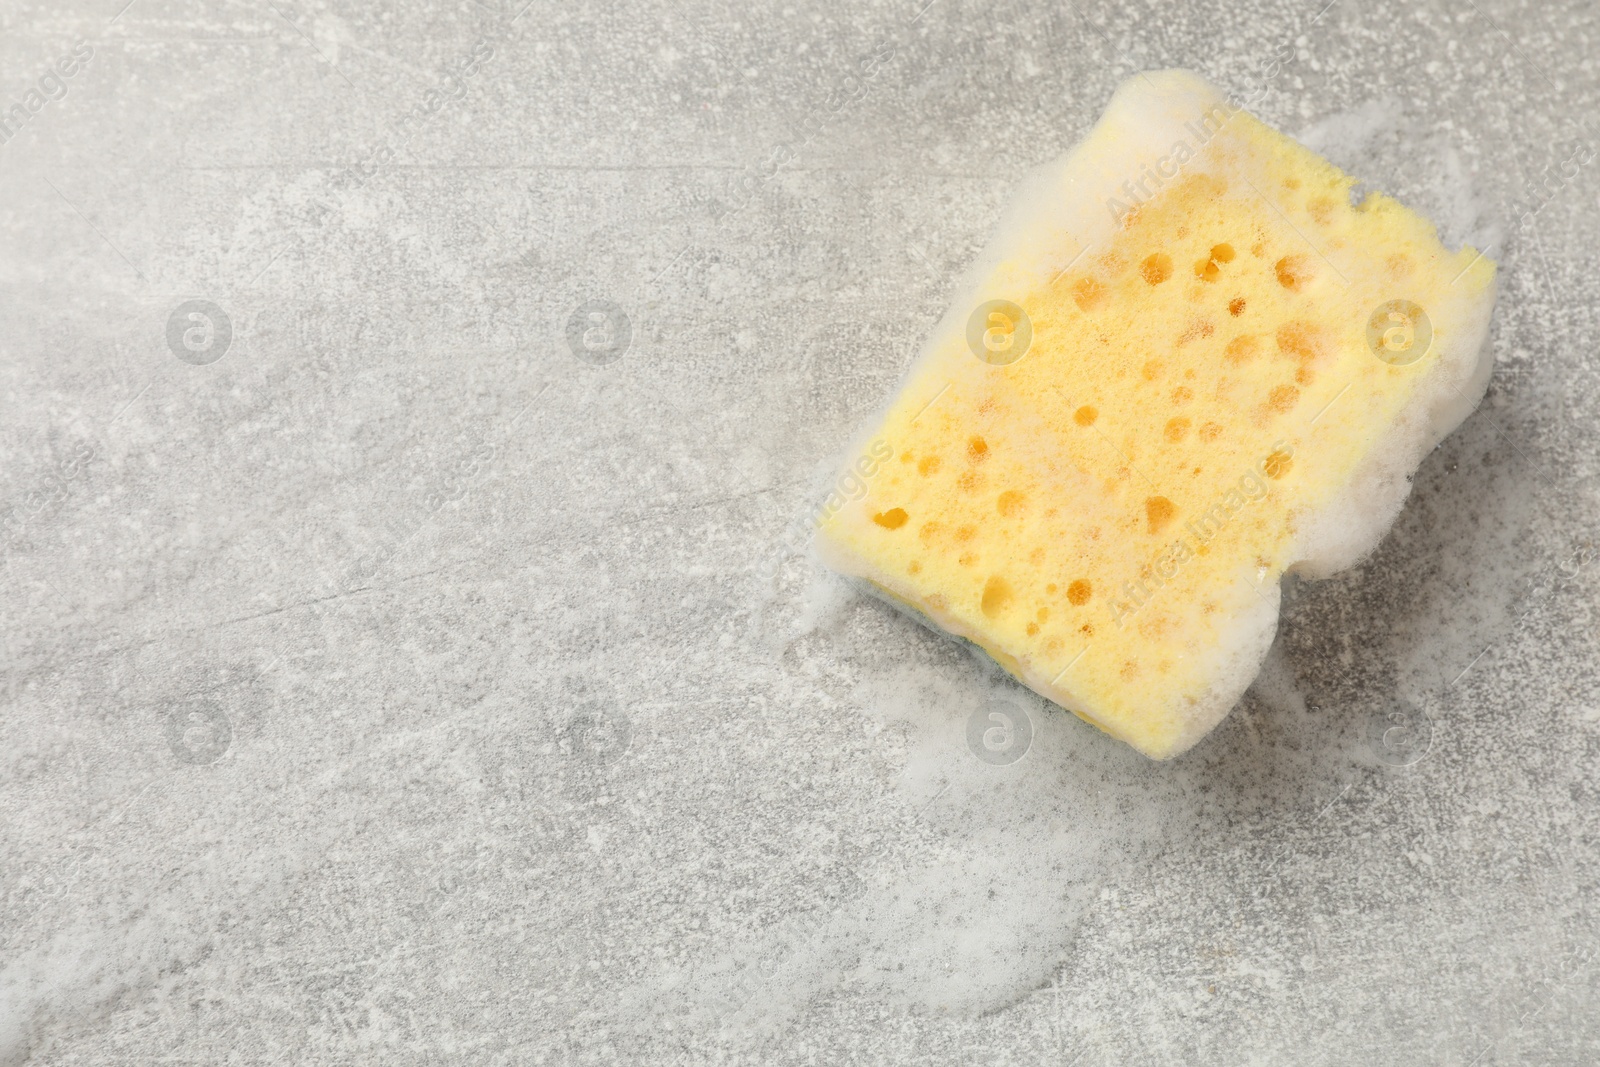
column 400, row 685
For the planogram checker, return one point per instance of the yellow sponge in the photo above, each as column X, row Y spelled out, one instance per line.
column 1185, row 366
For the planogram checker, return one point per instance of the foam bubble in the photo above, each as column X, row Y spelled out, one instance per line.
column 1001, row 865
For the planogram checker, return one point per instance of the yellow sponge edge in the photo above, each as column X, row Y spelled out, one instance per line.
column 1186, row 365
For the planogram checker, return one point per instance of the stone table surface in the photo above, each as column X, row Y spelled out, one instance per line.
column 405, row 407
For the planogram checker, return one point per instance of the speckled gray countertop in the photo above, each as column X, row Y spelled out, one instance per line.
column 403, row 408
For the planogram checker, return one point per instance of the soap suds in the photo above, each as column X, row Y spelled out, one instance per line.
column 1388, row 149
column 1275, row 686
column 980, row 904
column 146, row 933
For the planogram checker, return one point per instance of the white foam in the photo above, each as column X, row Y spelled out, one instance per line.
column 984, row 903
column 1067, row 207
column 982, row 907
